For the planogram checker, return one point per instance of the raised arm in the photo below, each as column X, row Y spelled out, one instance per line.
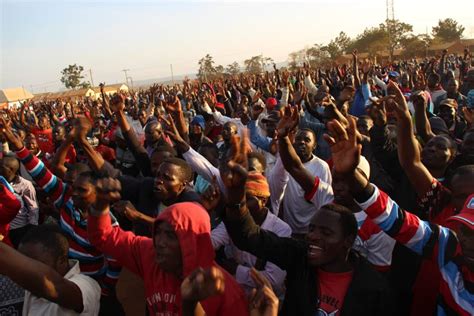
column 355, row 69
column 241, row 227
column 57, row 164
column 422, row 237
column 117, row 105
column 125, row 247
column 290, row 159
column 39, row 279
column 408, row 147
column 52, row 185
column 423, row 126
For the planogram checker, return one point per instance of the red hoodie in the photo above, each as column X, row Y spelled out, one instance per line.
column 162, row 290
column 9, row 207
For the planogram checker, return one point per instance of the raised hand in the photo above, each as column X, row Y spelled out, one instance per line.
column 107, row 192
column 234, row 173
column 201, row 284
column 117, row 103
column 285, row 75
column 82, row 127
column 263, row 301
column 344, row 145
column 173, row 105
column 396, row 101
column 210, row 198
column 126, row 208
column 420, row 101
column 288, row 122
column 14, row 141
column 354, row 54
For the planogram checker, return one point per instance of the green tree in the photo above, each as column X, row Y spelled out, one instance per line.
column 447, row 30
column 371, row 41
column 72, row 76
column 387, row 36
column 206, row 71
column 220, row 71
column 233, row 69
column 318, row 56
column 397, row 31
column 257, row 64
column 415, row 45
column 338, row 46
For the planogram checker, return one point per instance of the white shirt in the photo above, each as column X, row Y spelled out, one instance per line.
column 29, row 211
column 297, row 211
column 90, row 290
column 246, row 261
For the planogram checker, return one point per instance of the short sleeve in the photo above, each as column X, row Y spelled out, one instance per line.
column 90, row 290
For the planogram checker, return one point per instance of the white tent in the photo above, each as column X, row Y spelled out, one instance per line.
column 13, row 96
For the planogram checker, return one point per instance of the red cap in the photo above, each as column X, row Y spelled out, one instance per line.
column 271, row 103
column 466, row 216
column 220, row 105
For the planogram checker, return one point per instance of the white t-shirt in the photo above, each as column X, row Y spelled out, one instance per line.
column 90, row 290
column 298, row 210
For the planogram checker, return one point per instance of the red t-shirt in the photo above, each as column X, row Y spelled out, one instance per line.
column 106, row 152
column 44, row 137
column 332, row 291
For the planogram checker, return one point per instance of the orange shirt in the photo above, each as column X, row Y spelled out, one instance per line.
column 332, row 290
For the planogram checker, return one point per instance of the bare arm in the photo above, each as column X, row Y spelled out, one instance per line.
column 293, row 164
column 355, row 69
column 57, row 164
column 39, row 279
column 408, row 149
column 423, row 126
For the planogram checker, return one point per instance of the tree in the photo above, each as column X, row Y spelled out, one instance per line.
column 387, row 36
column 72, row 76
column 415, row 45
column 233, row 69
column 397, row 31
column 257, row 64
column 371, row 41
column 220, row 71
column 447, row 30
column 317, row 56
column 206, row 71
column 338, row 46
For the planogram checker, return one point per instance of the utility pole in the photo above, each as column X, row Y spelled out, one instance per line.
column 126, row 75
column 92, row 80
column 172, row 75
column 131, row 81
column 390, row 20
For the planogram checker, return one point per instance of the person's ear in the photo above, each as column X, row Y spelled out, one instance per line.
column 263, row 202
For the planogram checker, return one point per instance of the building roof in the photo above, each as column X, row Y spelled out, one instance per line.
column 14, row 94
column 468, row 41
column 110, row 87
column 442, row 46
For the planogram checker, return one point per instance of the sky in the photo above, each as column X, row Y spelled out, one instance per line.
column 40, row 38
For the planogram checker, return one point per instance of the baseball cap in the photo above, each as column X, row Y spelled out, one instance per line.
column 271, row 103
column 466, row 216
column 393, row 74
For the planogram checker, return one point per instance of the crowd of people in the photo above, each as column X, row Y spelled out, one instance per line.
column 339, row 191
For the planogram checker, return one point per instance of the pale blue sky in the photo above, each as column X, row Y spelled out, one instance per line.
column 38, row 39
